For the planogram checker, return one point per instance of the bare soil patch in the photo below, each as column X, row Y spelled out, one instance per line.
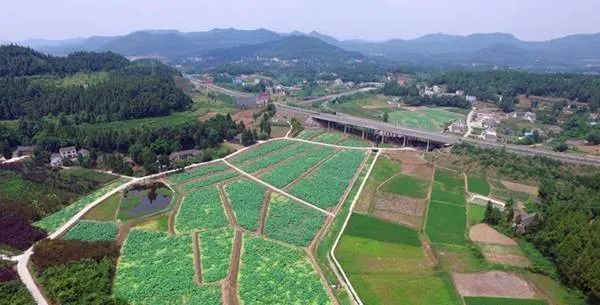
column 493, row 284
column 400, row 209
column 590, row 149
column 207, row 116
column 245, row 116
column 504, row 255
column 483, row 233
column 413, row 164
column 522, row 188
column 197, row 259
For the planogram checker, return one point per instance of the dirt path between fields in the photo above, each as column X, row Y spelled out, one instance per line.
column 313, row 261
column 263, row 213
column 122, row 235
column 229, row 288
column 227, row 205
column 175, row 209
column 197, row 259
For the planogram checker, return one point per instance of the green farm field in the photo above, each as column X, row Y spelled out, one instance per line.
column 478, row 185
column 476, row 213
column 447, row 214
column 406, row 186
column 386, row 263
column 432, row 119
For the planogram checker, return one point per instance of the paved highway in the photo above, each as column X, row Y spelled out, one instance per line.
column 334, row 96
column 440, row 137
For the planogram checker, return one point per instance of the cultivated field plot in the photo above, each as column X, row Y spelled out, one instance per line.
column 493, row 284
column 156, row 268
column 308, row 134
column 206, row 181
column 325, row 186
column 291, row 222
column 286, row 172
column 198, row 172
column 328, row 138
column 260, row 150
column 93, row 231
column 215, row 250
column 476, row 213
column 201, row 210
column 54, row 221
column 478, row 185
column 406, row 186
column 432, row 119
column 246, row 198
column 282, row 154
column 446, row 218
column 386, row 264
column 274, row 274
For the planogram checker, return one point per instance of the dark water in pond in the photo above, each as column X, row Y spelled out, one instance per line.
column 150, row 200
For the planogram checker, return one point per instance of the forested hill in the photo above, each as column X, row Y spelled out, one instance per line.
column 20, row 61
column 489, row 84
column 95, row 86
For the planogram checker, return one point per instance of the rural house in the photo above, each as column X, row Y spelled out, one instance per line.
column 69, row 152
column 22, row 151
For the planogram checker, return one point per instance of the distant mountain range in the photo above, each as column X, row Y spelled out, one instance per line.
column 495, row 50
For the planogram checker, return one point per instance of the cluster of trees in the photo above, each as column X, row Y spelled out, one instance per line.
column 144, row 144
column 566, row 230
column 413, row 97
column 76, row 272
column 394, row 89
column 490, row 84
column 20, row 61
column 121, row 96
column 440, row 101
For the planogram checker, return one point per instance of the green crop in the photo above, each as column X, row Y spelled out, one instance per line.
column 274, row 274
column 292, row 223
column 215, row 251
column 93, row 231
column 326, row 185
column 201, row 210
column 246, row 198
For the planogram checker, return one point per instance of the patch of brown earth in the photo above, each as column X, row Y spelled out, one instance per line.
column 413, row 164
column 245, row 116
column 522, row 188
column 590, row 149
column 207, row 116
column 197, row 259
column 400, row 209
column 483, row 233
column 504, row 255
column 493, row 284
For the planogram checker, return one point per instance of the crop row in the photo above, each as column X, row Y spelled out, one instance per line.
column 189, row 187
column 308, row 134
column 329, row 138
column 198, row 171
column 274, row 274
column 215, row 251
column 93, row 231
column 289, row 171
column 276, row 157
column 156, row 268
column 291, row 222
column 260, row 150
column 446, row 215
column 246, row 198
column 54, row 221
column 326, row 185
column 201, row 210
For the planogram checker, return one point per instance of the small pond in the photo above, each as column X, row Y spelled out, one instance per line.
column 144, row 199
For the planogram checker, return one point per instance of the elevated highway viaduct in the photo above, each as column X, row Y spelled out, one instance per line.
column 385, row 131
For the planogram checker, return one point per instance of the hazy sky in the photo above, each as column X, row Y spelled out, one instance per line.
column 367, row 19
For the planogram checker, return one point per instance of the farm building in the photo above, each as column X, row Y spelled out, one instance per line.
column 184, row 154
column 68, row 152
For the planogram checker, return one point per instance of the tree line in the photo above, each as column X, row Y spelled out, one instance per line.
column 490, row 84
column 566, row 228
column 143, row 88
